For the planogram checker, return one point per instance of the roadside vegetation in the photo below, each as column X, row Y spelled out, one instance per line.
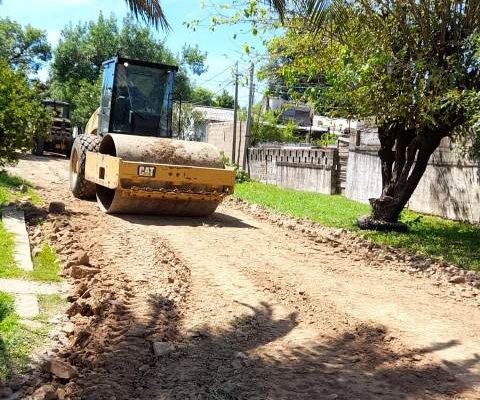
column 16, row 339
column 45, row 264
column 13, row 188
column 451, row 241
column 46, row 267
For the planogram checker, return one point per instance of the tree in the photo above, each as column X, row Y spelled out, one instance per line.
column 23, row 48
column 224, row 100
column 83, row 48
column 195, row 59
column 202, row 96
column 22, row 116
column 266, row 127
column 414, row 67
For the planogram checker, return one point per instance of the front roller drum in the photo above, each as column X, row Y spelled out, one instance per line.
column 187, row 178
column 118, row 201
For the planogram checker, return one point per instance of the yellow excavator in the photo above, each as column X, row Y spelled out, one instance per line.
column 127, row 157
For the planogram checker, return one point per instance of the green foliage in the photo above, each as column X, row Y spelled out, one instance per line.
column 8, row 267
column 224, row 100
column 390, row 61
column 240, row 174
column 16, row 341
column 7, row 305
column 451, row 241
column 266, row 128
column 22, row 116
column 46, row 267
column 195, row 59
column 326, row 140
column 13, row 187
column 78, row 58
column 202, row 96
column 24, row 48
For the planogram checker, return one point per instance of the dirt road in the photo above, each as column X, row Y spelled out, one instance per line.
column 245, row 309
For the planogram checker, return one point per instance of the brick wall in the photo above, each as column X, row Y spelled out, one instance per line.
column 220, row 134
column 306, row 169
column 450, row 187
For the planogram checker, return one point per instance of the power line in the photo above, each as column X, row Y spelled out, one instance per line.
column 216, row 76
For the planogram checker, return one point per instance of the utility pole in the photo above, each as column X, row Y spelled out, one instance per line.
column 235, row 111
column 249, row 118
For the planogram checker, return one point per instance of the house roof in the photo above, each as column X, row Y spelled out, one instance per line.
column 215, row 113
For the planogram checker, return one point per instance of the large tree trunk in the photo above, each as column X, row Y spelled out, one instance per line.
column 404, row 155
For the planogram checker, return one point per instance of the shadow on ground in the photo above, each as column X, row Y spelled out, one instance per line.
column 217, row 219
column 116, row 359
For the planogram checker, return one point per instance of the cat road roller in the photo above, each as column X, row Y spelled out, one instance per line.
column 127, row 157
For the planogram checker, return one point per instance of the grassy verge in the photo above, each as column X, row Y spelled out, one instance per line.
column 46, row 266
column 7, row 262
column 16, row 340
column 451, row 241
column 13, row 188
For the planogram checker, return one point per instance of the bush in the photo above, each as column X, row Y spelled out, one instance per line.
column 22, row 116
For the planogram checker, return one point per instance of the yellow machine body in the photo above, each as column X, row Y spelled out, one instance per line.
column 145, row 175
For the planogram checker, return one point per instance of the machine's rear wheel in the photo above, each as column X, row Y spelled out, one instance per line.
column 38, row 146
column 80, row 187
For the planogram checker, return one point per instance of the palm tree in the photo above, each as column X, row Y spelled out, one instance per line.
column 150, row 11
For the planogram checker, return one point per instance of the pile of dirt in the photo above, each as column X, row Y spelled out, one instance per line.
column 116, row 320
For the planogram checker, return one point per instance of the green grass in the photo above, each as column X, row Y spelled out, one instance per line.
column 16, row 340
column 46, row 266
column 7, row 262
column 455, row 242
column 10, row 189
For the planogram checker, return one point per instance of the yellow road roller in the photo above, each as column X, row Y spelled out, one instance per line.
column 127, row 157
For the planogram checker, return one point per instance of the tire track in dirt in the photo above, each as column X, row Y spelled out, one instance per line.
column 254, row 311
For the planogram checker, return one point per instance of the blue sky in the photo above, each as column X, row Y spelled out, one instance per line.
column 223, row 51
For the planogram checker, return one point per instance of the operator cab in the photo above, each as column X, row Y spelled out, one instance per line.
column 60, row 108
column 136, row 98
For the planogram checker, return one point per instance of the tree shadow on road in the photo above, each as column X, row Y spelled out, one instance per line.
column 247, row 360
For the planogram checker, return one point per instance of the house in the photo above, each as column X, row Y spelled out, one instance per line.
column 208, row 115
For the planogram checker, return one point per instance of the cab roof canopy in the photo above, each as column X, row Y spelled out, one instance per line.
column 121, row 60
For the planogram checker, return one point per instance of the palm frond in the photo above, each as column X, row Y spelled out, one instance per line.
column 319, row 13
column 150, row 11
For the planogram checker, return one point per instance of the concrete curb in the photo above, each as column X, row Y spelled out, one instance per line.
column 14, row 222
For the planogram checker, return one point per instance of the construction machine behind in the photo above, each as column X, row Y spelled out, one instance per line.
column 60, row 138
column 127, row 157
